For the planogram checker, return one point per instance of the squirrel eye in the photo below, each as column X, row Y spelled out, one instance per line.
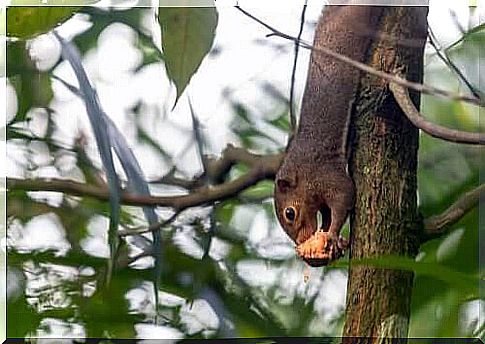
column 290, row 214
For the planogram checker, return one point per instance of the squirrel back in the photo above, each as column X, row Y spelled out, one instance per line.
column 313, row 176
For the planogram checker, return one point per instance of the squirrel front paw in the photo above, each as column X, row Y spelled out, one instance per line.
column 322, row 248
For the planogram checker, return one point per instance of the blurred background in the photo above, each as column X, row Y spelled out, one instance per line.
column 228, row 269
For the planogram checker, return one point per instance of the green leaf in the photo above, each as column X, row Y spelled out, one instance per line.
column 466, row 282
column 282, row 122
column 224, row 211
column 33, row 89
column 262, row 189
column 187, row 36
column 150, row 52
column 19, row 308
column 435, row 314
column 28, row 22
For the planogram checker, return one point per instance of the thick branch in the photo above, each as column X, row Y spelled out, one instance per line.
column 436, row 224
column 402, row 97
column 261, row 168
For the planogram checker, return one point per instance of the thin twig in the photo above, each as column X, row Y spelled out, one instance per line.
column 127, row 261
column 198, row 136
column 362, row 66
column 151, row 228
column 463, row 37
column 170, row 179
column 456, row 21
column 293, row 75
column 446, row 60
column 436, row 224
column 401, row 95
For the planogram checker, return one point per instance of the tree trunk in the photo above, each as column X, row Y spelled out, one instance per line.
column 383, row 165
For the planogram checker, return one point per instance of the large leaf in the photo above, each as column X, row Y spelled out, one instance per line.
column 187, row 36
column 27, row 22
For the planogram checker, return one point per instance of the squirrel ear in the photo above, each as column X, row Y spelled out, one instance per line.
column 284, row 185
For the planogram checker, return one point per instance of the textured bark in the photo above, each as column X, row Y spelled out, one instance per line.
column 385, row 220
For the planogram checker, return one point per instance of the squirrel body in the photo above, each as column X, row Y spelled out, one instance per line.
column 313, row 176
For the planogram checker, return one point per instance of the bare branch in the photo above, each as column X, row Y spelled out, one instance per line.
column 436, row 224
column 362, row 66
column 262, row 167
column 202, row 196
column 218, row 168
column 401, row 95
column 293, row 75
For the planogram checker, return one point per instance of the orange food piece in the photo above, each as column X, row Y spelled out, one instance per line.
column 320, row 249
column 315, row 247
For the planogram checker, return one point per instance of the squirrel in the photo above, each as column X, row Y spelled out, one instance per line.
column 313, row 176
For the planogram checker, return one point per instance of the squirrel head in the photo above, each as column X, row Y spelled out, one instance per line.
column 298, row 202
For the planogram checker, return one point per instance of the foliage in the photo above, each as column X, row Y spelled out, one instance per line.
column 187, row 37
column 228, row 270
column 27, row 22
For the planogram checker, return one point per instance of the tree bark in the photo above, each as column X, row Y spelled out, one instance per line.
column 383, row 165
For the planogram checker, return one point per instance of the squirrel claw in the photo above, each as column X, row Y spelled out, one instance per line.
column 342, row 244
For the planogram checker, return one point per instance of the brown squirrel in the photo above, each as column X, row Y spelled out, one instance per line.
column 313, row 176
